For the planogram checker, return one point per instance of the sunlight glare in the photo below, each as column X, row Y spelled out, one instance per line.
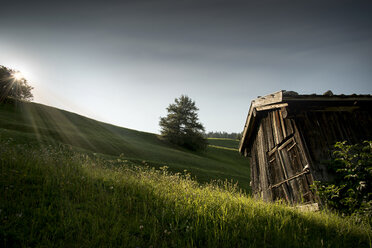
column 18, row 75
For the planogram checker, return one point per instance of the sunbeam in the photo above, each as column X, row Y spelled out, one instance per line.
column 18, row 76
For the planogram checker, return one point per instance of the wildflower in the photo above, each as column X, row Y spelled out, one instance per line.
column 112, row 187
column 141, row 227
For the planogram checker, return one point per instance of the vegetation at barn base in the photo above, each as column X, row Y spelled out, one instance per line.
column 57, row 197
column 14, row 85
column 181, row 126
column 351, row 190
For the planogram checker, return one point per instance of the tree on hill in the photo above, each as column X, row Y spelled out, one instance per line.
column 181, row 126
column 14, row 85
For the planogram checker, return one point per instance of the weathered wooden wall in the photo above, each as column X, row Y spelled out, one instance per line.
column 322, row 129
column 278, row 160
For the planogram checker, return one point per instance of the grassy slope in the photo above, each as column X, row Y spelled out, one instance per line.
column 228, row 143
column 39, row 124
column 61, row 197
column 57, row 198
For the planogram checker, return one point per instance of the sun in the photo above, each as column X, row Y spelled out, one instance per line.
column 18, row 75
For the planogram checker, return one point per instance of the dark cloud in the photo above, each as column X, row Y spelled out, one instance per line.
column 283, row 25
column 241, row 33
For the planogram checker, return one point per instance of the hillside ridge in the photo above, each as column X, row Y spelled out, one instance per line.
column 38, row 124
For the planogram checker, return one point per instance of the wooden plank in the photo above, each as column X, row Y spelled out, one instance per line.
column 262, row 159
column 278, row 126
column 277, row 176
column 291, row 140
column 289, row 127
column 286, row 186
column 254, row 171
column 275, row 131
column 247, row 130
column 290, row 172
column 282, row 124
column 270, row 153
column 290, row 178
column 292, row 158
column 269, row 132
column 266, row 129
column 269, row 99
column 266, row 135
column 265, row 144
column 272, row 106
column 310, row 132
column 304, row 151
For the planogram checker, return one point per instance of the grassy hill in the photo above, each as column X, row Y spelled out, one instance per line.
column 223, row 143
column 69, row 181
column 40, row 125
column 57, row 197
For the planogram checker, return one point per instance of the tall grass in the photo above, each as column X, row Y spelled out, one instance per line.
column 55, row 197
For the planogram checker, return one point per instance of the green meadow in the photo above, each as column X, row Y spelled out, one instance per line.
column 224, row 143
column 69, row 181
column 40, row 125
column 56, row 197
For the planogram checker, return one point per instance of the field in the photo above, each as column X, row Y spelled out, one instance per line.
column 55, row 197
column 58, row 190
column 40, row 125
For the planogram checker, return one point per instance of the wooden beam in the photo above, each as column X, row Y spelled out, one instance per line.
column 291, row 178
column 272, row 106
column 269, row 99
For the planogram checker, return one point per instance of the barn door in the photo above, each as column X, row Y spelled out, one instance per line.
column 277, row 174
column 289, row 171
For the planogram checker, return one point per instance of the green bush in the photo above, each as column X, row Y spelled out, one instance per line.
column 350, row 193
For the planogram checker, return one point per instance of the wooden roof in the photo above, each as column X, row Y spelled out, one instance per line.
column 285, row 98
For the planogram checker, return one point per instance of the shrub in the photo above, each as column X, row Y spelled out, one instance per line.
column 350, row 192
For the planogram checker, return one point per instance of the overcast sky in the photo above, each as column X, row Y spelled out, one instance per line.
column 123, row 62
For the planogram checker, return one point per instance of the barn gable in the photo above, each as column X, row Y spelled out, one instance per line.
column 288, row 137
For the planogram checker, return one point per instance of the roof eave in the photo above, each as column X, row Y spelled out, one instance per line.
column 272, row 99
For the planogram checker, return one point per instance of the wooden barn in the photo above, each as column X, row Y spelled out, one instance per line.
column 288, row 137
